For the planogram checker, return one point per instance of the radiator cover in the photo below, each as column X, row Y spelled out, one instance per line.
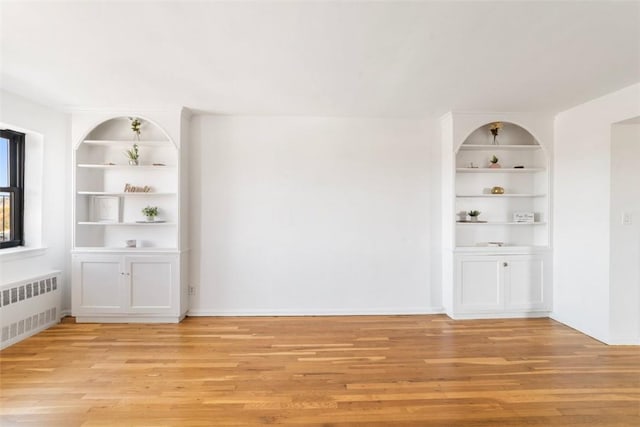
column 28, row 307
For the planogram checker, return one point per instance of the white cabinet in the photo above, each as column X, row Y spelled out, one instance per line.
column 127, row 268
column 126, row 288
column 98, row 284
column 501, row 286
column 479, row 285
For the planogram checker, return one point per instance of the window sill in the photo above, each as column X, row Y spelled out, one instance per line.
column 21, row 252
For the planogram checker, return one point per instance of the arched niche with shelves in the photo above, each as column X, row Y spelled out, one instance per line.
column 107, row 212
column 126, row 268
column 500, row 264
column 506, row 193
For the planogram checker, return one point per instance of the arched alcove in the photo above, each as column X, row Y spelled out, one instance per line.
column 503, row 175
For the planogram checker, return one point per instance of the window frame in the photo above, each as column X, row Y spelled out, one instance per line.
column 16, row 186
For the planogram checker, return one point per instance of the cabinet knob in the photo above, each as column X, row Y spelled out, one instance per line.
column 505, row 264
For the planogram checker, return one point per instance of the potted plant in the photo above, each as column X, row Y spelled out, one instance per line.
column 151, row 212
column 495, row 129
column 133, row 155
column 474, row 215
column 494, row 163
column 135, row 127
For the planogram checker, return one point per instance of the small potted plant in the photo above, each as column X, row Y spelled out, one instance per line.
column 151, row 212
column 474, row 215
column 493, row 163
column 133, row 155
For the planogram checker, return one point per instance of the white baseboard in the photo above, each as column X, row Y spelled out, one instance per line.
column 508, row 315
column 323, row 312
column 609, row 340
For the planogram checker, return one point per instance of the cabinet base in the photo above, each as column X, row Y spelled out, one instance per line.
column 129, row 319
column 508, row 315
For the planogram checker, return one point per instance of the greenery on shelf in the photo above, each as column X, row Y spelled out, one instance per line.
column 132, row 154
column 135, row 125
column 150, row 211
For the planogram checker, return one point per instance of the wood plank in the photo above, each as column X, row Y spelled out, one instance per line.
column 306, row 371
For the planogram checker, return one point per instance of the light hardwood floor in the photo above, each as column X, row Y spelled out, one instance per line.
column 359, row 370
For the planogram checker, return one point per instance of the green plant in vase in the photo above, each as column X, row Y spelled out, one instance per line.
column 133, row 155
column 493, row 163
column 474, row 215
column 495, row 130
column 151, row 212
column 135, row 127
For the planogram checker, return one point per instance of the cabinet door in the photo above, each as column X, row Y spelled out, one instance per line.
column 97, row 284
column 152, row 285
column 524, row 283
column 479, row 284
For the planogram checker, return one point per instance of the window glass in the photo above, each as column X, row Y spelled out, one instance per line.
column 11, row 188
column 4, row 162
column 5, row 216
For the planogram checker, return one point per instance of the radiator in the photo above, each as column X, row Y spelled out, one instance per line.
column 28, row 307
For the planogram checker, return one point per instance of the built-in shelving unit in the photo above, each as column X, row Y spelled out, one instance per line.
column 103, row 171
column 500, row 264
column 126, row 268
column 523, row 176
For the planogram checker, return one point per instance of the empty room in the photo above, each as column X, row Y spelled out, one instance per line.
column 319, row 213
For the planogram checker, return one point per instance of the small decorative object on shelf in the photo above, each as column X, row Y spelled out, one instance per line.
column 494, row 163
column 472, row 165
column 131, row 243
column 128, row 188
column 474, row 215
column 133, row 155
column 135, row 127
column 151, row 212
column 495, row 129
column 524, row 217
column 497, row 190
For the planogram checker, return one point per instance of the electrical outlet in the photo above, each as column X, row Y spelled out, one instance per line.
column 192, row 290
column 627, row 218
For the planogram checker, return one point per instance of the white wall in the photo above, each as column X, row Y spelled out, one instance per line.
column 307, row 215
column 47, row 204
column 582, row 187
column 625, row 238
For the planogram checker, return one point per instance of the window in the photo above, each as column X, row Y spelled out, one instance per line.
column 11, row 188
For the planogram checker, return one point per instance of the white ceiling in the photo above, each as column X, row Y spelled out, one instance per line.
column 320, row 58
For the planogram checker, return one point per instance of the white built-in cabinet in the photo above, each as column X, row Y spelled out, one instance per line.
column 124, row 267
column 500, row 284
column 126, row 285
column 496, row 266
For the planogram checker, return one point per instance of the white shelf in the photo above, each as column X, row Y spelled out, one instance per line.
column 122, row 194
column 500, row 223
column 115, row 249
column 490, row 196
column 504, row 249
column 123, row 143
column 499, row 170
column 139, row 167
column 143, row 224
column 485, row 147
